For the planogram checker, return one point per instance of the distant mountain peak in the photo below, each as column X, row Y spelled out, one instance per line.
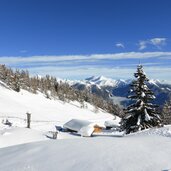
column 105, row 81
column 101, row 81
column 96, row 78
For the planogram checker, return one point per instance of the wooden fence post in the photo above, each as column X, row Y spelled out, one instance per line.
column 28, row 119
column 55, row 135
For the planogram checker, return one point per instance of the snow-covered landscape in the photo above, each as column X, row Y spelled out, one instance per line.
column 34, row 149
column 85, row 85
column 45, row 115
column 138, row 152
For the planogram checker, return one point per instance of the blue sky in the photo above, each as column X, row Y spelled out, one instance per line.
column 79, row 38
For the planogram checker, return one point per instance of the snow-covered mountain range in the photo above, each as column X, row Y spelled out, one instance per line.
column 118, row 89
column 106, row 82
column 99, row 81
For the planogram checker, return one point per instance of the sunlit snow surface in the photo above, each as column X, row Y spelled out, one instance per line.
column 149, row 150
column 45, row 115
column 137, row 152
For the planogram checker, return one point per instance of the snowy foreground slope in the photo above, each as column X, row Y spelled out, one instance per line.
column 139, row 152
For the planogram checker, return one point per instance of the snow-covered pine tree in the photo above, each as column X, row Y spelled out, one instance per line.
column 16, row 81
column 142, row 114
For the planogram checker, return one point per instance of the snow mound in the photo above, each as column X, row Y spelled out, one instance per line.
column 13, row 136
column 164, row 131
column 86, row 131
column 136, row 153
column 111, row 123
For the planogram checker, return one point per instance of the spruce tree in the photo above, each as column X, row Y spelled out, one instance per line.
column 141, row 114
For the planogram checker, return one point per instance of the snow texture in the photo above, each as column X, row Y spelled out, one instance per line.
column 23, row 149
column 138, row 152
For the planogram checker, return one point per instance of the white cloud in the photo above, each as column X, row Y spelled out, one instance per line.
column 84, row 72
column 82, row 66
column 142, row 45
column 157, row 42
column 120, row 45
column 115, row 72
column 10, row 60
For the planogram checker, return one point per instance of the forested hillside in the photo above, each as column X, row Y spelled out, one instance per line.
column 54, row 88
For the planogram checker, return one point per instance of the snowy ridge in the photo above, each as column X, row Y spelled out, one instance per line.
column 101, row 81
column 155, row 82
column 104, row 81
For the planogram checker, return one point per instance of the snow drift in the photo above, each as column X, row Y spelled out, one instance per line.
column 131, row 153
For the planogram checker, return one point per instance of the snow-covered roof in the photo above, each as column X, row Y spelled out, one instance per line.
column 83, row 127
column 111, row 123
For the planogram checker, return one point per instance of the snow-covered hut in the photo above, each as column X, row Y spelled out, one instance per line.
column 112, row 124
column 82, row 127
